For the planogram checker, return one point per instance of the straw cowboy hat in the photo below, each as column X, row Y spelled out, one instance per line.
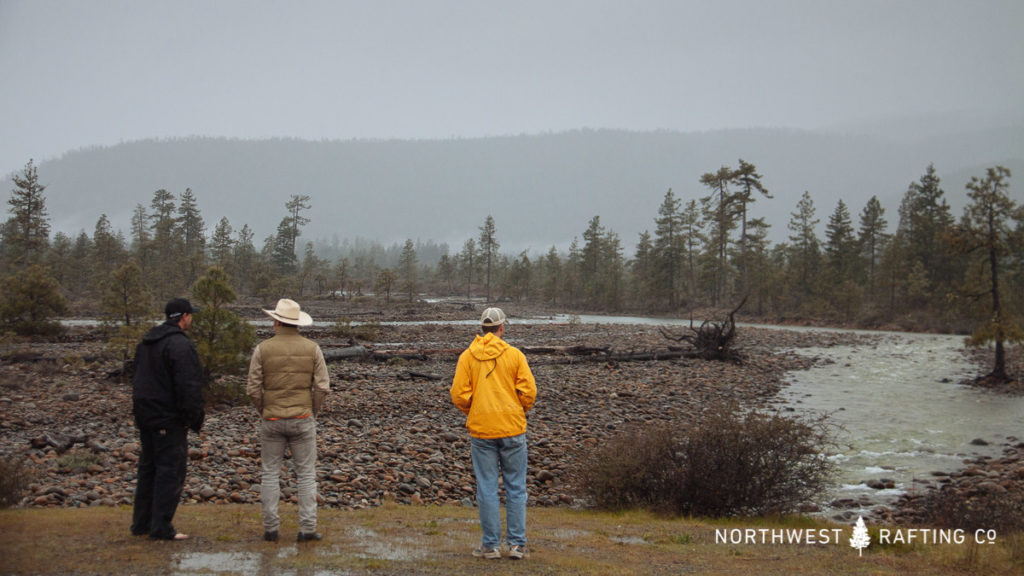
column 288, row 312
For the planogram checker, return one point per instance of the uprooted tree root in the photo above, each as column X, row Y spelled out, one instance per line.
column 712, row 340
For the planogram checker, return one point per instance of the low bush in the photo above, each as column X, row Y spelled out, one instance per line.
column 78, row 461
column 15, row 477
column 972, row 510
column 726, row 463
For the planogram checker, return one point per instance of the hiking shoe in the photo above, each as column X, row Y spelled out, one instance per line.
column 517, row 552
column 489, row 554
column 270, row 536
column 309, row 536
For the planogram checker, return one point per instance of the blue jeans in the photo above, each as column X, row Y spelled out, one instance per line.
column 507, row 456
column 300, row 435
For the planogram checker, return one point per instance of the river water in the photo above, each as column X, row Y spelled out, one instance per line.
column 899, row 405
column 902, row 410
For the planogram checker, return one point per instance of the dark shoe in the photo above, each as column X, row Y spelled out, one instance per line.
column 270, row 536
column 307, row 537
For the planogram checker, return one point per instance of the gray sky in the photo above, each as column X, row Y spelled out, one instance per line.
column 86, row 73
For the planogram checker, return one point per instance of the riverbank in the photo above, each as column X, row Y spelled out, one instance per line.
column 389, row 432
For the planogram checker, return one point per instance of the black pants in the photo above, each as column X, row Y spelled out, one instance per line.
column 161, row 479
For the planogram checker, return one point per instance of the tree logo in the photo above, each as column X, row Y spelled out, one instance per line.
column 860, row 538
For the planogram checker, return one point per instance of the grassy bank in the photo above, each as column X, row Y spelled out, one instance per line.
column 398, row 539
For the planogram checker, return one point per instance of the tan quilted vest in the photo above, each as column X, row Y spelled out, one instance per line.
column 287, row 374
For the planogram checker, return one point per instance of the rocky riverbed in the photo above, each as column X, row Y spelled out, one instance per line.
column 389, row 431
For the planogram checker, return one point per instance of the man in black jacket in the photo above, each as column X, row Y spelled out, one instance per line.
column 167, row 400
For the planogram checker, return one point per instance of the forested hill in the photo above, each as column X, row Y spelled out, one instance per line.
column 542, row 190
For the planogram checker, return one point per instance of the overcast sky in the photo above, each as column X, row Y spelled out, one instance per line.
column 84, row 73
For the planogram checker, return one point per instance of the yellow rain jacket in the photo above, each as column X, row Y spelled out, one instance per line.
column 494, row 387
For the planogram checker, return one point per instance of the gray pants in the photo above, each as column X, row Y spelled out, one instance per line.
column 300, row 435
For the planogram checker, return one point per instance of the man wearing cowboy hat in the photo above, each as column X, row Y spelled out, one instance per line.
column 288, row 383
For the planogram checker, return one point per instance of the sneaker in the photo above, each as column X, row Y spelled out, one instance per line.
column 517, row 552
column 309, row 536
column 489, row 554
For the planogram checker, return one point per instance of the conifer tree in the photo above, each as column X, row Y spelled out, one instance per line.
column 488, row 246
column 872, row 238
column 27, row 232
column 805, row 252
column 988, row 233
column 668, row 251
column 223, row 339
column 720, row 213
column 407, row 264
column 748, row 181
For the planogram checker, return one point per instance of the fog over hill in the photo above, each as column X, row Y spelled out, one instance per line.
column 542, row 190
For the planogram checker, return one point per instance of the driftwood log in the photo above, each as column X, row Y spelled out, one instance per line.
column 713, row 340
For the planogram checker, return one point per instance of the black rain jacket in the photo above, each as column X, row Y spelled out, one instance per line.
column 167, row 389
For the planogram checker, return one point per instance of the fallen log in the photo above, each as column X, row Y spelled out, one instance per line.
column 568, row 350
column 638, row 356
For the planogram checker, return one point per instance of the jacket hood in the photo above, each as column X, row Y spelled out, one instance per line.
column 487, row 347
column 159, row 332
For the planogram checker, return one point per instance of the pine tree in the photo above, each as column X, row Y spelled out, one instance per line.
column 720, row 214
column 841, row 247
column 467, row 266
column 141, row 245
column 986, row 230
column 108, row 253
column 552, row 276
column 805, row 250
column 244, row 258
column 295, row 219
column 407, row 264
column 488, row 245
column 223, row 339
column 222, row 245
column 748, row 181
column 26, row 234
column 193, row 234
column 385, row 284
column 872, row 239
column 124, row 298
column 925, row 222
column 667, row 252
column 642, row 268
column 167, row 246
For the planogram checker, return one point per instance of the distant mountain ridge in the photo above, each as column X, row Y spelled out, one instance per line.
column 542, row 190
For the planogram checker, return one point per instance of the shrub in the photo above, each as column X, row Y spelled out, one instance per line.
column 77, row 461
column 726, row 463
column 975, row 510
column 14, row 478
column 30, row 300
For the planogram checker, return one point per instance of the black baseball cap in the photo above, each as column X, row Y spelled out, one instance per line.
column 179, row 306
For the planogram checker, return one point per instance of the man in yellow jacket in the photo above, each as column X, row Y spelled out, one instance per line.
column 494, row 387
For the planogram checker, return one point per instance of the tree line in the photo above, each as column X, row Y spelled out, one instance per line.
column 930, row 271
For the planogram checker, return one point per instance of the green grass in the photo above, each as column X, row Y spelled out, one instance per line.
column 397, row 539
